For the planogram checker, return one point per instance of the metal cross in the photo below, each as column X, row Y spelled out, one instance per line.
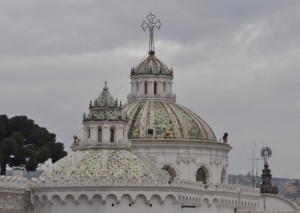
column 151, row 24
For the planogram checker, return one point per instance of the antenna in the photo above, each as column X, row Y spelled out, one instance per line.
column 254, row 158
column 151, row 24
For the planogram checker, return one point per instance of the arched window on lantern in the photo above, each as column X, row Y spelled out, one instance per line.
column 99, row 134
column 145, row 87
column 112, row 135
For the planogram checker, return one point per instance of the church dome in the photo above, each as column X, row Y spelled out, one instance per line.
column 151, row 65
column 104, row 164
column 165, row 120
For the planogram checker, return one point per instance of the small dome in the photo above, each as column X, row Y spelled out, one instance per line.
column 105, row 98
column 151, row 65
column 105, row 107
column 100, row 164
column 167, row 121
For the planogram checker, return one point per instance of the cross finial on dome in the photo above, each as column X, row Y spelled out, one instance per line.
column 151, row 24
column 105, row 86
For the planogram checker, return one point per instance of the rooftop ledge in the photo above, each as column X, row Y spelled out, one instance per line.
column 178, row 142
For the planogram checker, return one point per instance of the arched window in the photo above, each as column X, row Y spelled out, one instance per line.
column 145, row 87
column 223, row 176
column 201, row 175
column 112, row 135
column 137, row 87
column 89, row 133
column 99, row 134
column 155, row 87
column 164, row 86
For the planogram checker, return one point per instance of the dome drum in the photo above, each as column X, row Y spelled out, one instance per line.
column 151, row 87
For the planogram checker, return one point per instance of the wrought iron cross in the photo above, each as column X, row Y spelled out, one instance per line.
column 151, row 24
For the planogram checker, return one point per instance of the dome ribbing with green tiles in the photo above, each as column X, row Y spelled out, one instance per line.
column 165, row 118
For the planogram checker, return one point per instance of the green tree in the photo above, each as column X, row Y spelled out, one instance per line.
column 24, row 143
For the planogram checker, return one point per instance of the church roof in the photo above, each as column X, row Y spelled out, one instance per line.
column 105, row 98
column 167, row 120
column 105, row 107
column 100, row 164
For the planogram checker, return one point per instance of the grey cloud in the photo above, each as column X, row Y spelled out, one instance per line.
column 235, row 64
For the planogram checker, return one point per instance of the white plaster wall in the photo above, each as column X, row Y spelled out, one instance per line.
column 138, row 82
column 166, row 198
column 93, row 127
column 186, row 160
column 110, row 205
column 124, row 205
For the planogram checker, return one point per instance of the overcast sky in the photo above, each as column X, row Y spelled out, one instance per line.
column 236, row 64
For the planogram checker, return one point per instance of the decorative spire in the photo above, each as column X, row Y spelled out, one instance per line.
column 266, row 185
column 151, row 24
column 105, row 86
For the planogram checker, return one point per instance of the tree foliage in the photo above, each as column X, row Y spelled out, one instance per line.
column 24, row 143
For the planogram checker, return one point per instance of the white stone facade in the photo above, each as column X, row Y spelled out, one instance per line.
column 187, row 157
column 149, row 87
column 162, row 196
column 95, row 134
column 15, row 195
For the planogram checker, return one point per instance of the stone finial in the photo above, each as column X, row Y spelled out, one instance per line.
column 76, row 139
column 105, row 86
column 168, row 134
column 84, row 116
column 91, row 104
column 120, row 104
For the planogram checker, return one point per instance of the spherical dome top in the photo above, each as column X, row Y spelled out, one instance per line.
column 151, row 65
column 108, row 164
column 165, row 120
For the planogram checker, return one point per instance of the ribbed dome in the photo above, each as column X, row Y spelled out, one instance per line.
column 165, row 118
column 151, row 65
column 109, row 164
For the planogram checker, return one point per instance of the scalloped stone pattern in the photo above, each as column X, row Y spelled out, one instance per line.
column 104, row 165
column 180, row 122
column 152, row 65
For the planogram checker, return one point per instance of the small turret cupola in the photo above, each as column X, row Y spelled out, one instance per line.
column 104, row 126
column 151, row 79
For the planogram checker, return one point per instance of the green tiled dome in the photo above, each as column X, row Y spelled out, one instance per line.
column 109, row 164
column 164, row 117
